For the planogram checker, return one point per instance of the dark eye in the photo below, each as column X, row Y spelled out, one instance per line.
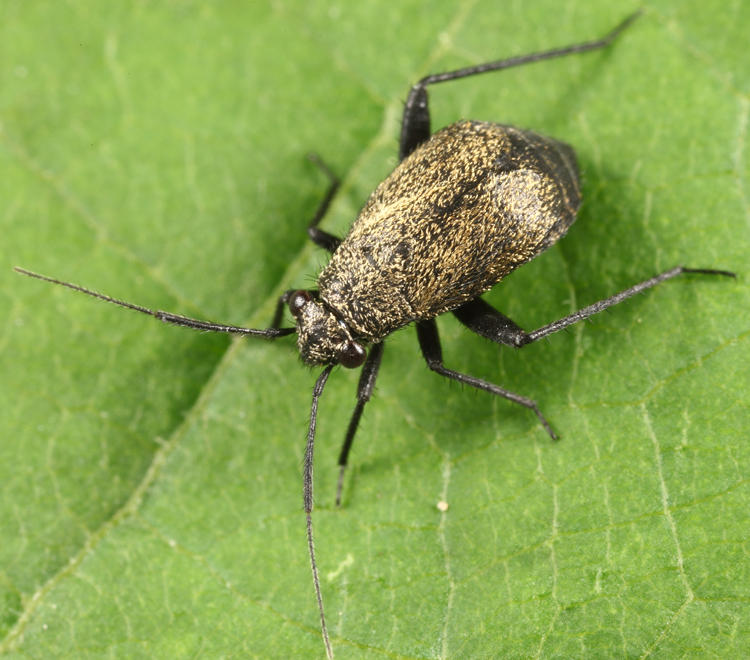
column 297, row 300
column 353, row 355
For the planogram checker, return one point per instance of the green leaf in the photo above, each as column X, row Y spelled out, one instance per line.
column 150, row 476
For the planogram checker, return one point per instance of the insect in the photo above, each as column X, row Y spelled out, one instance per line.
column 464, row 208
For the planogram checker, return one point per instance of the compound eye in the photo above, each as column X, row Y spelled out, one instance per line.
column 297, row 301
column 353, row 355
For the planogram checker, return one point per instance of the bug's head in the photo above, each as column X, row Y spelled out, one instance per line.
column 321, row 337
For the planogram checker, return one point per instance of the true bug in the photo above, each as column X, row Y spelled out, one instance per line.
column 464, row 208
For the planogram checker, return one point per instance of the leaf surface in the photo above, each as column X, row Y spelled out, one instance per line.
column 150, row 476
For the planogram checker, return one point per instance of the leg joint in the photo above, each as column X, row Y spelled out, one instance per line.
column 522, row 339
column 435, row 364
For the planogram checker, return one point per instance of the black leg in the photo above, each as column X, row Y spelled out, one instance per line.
column 429, row 342
column 486, row 321
column 364, row 392
column 318, row 236
column 415, row 124
column 280, row 304
column 168, row 317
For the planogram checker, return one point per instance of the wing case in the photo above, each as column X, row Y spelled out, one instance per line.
column 456, row 216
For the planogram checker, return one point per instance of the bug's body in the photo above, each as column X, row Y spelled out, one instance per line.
column 464, row 208
column 456, row 216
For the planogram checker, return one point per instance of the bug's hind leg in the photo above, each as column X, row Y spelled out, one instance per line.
column 318, row 236
column 486, row 321
column 364, row 392
column 429, row 342
column 482, row 318
column 415, row 123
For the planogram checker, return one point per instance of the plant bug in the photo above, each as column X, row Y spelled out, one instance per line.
column 464, row 208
